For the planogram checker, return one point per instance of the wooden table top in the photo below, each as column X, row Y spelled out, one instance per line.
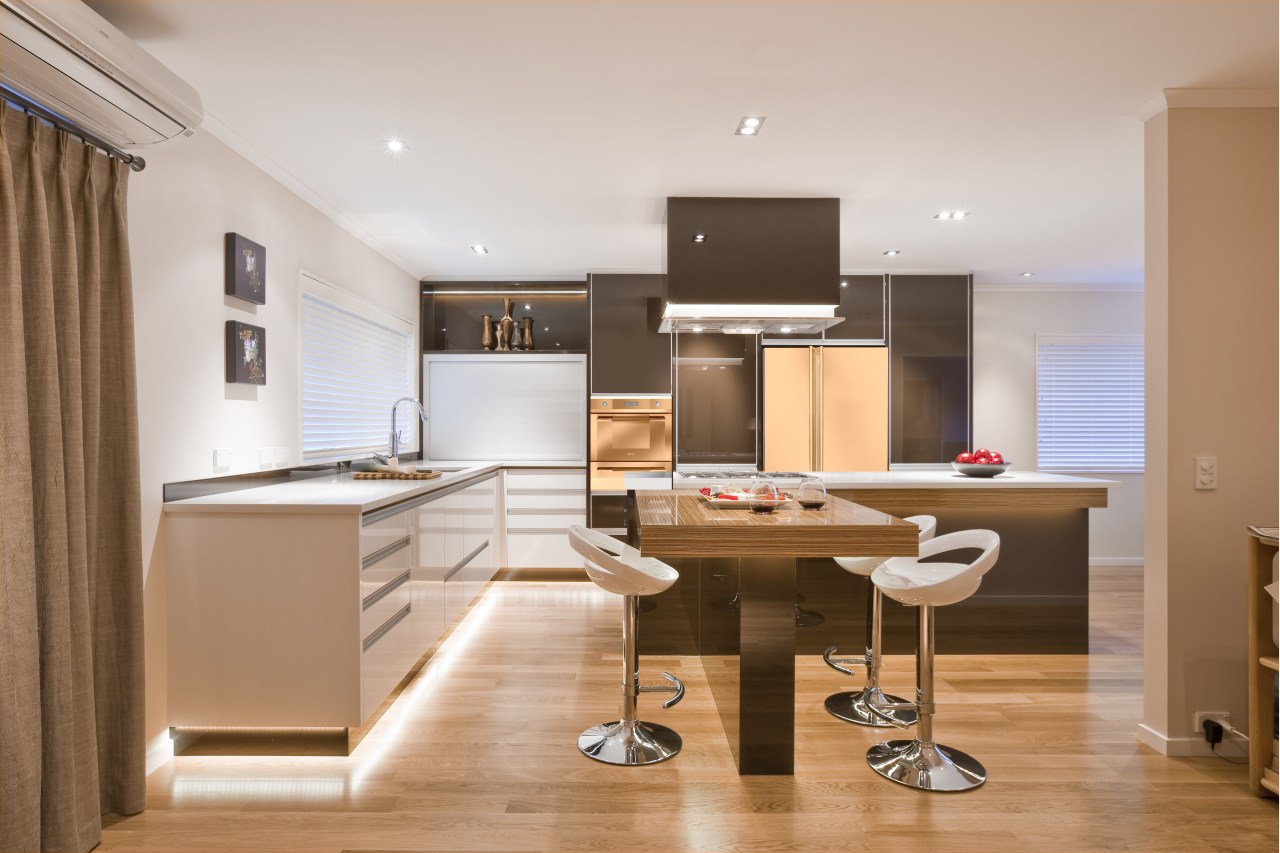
column 680, row 524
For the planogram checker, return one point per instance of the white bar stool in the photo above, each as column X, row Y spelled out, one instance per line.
column 852, row 705
column 620, row 569
column 921, row 763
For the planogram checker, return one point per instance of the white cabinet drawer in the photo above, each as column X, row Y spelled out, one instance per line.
column 546, row 479
column 379, row 534
column 545, row 519
column 384, row 565
column 574, row 499
column 383, row 603
column 385, row 660
column 540, row 551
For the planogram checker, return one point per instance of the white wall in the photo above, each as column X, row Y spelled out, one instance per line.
column 189, row 196
column 1005, row 325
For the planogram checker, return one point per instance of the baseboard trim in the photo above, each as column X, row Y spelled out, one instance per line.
column 1174, row 747
column 1116, row 562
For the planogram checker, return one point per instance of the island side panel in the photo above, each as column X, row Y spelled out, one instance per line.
column 264, row 619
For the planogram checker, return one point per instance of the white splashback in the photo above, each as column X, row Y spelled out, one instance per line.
column 518, row 407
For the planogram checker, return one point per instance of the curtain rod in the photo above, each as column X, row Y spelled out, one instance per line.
column 31, row 108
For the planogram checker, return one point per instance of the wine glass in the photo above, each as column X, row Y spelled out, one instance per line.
column 763, row 497
column 811, row 493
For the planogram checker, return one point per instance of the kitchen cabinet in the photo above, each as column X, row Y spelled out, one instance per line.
column 311, row 616
column 862, row 306
column 930, row 367
column 540, row 506
column 629, row 356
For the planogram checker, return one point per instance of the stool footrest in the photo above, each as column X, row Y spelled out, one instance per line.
column 882, row 709
column 676, row 686
column 836, row 663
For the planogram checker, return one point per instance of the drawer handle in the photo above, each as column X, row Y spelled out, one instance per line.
column 385, row 552
column 386, row 627
column 384, row 590
column 549, row 510
column 467, row 559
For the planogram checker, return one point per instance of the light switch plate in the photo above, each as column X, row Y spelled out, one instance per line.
column 222, row 458
column 1206, row 472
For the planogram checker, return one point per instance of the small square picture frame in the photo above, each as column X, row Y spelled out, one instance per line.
column 246, row 353
column 246, row 269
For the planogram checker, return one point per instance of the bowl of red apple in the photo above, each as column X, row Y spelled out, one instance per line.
column 981, row 463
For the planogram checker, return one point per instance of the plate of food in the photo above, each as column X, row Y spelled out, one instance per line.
column 735, row 496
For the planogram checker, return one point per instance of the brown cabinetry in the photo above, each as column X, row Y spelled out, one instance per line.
column 628, row 353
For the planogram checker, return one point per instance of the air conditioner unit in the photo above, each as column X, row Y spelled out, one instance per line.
column 65, row 58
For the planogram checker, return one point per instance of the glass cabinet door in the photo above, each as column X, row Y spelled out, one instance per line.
column 930, row 375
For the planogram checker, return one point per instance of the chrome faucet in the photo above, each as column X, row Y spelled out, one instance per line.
column 395, row 439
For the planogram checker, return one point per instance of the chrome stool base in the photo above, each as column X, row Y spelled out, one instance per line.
column 851, row 706
column 629, row 743
column 926, row 766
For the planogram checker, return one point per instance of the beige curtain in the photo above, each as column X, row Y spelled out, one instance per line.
column 71, row 700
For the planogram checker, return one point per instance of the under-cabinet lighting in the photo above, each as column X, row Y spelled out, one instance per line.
column 502, row 292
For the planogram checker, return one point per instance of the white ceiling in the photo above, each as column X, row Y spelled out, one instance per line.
column 553, row 132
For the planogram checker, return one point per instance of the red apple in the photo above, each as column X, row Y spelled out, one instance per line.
column 996, row 458
column 981, row 453
column 965, row 458
column 982, row 460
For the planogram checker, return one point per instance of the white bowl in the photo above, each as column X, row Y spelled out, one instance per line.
column 972, row 469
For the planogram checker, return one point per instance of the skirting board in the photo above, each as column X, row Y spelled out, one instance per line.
column 1116, row 562
column 1174, row 747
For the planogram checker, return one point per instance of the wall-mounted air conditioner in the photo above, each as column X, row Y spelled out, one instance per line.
column 66, row 59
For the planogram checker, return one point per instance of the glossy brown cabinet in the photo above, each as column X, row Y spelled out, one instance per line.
column 629, row 356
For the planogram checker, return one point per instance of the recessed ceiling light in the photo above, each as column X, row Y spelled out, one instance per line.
column 960, row 214
column 951, row 214
column 479, row 250
column 528, row 307
column 844, row 284
column 1027, row 274
column 749, row 126
column 396, row 144
column 747, row 131
column 699, row 238
column 546, row 328
column 893, row 252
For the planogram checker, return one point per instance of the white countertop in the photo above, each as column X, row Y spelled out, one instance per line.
column 337, row 494
column 939, row 478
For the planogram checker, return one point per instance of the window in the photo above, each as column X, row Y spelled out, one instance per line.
column 356, row 362
column 1089, row 401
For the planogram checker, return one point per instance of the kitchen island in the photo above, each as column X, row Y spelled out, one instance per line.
column 1035, row 601
column 750, row 660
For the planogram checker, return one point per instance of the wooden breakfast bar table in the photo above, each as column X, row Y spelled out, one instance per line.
column 746, row 636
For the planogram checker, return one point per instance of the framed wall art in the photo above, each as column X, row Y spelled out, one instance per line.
column 246, row 269
column 246, row 353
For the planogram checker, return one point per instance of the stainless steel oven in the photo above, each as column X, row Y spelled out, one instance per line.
column 628, row 434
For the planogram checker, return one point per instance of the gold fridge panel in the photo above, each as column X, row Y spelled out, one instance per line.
column 788, row 409
column 855, row 409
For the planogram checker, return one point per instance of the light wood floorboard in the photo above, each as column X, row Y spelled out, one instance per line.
column 479, row 754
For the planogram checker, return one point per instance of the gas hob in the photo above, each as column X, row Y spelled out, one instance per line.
column 738, row 474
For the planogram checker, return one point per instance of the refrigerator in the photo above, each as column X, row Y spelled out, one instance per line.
column 826, row 408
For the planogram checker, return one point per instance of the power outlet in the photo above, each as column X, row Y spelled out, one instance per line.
column 1206, row 472
column 1221, row 717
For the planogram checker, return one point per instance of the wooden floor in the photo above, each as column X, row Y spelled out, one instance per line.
column 479, row 754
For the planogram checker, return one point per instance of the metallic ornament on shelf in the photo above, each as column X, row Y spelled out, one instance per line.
column 506, row 326
column 486, row 336
column 526, row 330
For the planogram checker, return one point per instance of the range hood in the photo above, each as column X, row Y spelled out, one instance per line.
column 752, row 265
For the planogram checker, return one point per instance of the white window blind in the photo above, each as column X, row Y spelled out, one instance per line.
column 353, row 369
column 1089, row 404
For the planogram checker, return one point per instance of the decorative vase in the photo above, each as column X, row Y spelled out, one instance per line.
column 526, row 333
column 486, row 336
column 506, row 326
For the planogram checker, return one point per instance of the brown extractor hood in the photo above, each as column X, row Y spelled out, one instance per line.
column 751, row 265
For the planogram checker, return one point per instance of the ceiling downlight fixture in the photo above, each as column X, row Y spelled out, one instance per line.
column 479, row 250
column 951, row 214
column 749, row 126
column 892, row 253
column 1027, row 274
column 395, row 145
column 699, row 238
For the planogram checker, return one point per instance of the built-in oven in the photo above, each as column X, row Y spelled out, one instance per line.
column 629, row 435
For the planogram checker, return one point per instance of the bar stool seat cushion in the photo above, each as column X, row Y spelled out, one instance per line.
column 910, row 581
column 618, row 568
